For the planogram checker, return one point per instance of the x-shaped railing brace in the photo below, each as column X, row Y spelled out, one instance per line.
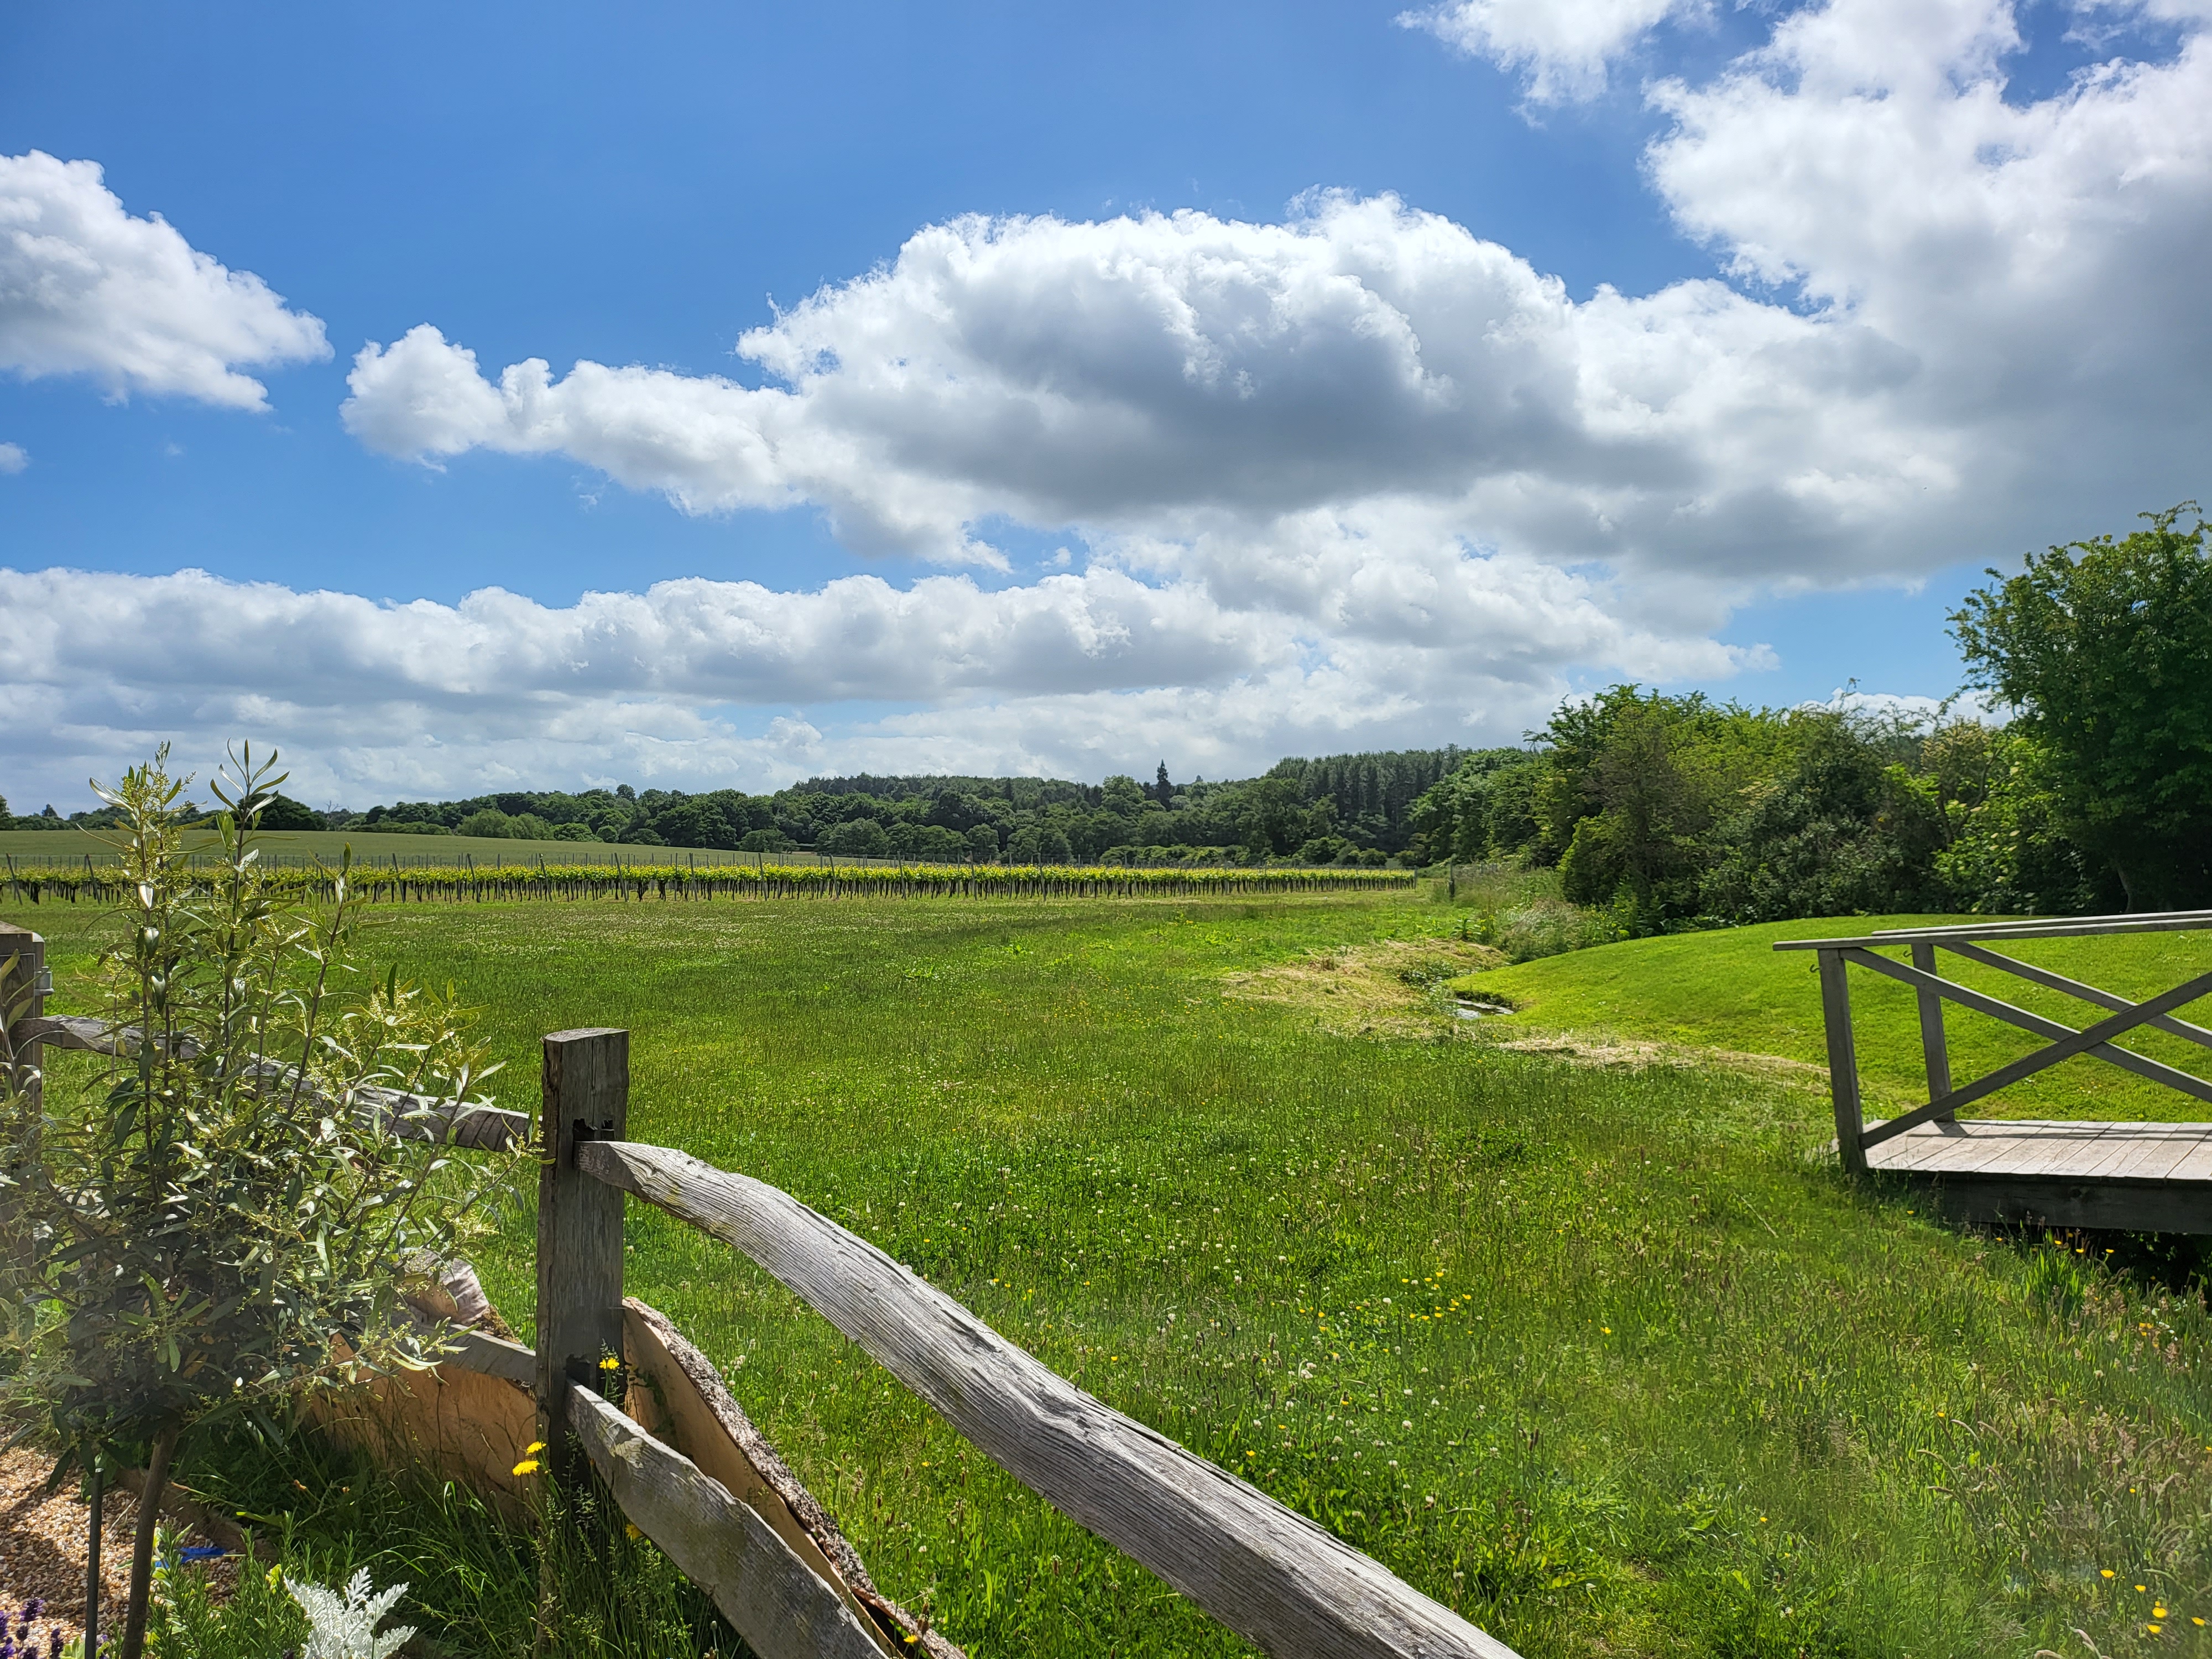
column 2095, row 1041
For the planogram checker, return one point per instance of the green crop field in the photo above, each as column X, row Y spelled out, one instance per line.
column 1603, row 1355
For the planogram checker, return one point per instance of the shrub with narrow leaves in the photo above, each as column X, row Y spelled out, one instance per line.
column 343, row 1626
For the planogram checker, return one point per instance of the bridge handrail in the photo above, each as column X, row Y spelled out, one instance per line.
column 1837, row 955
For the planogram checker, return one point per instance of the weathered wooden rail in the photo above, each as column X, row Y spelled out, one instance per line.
column 2151, row 1176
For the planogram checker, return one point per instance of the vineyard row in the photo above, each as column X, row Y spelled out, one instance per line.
column 637, row 882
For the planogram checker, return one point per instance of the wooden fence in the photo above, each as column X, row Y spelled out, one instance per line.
column 688, row 1469
column 1269, row 1573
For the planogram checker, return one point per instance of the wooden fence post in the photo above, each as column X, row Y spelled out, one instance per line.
column 22, row 997
column 1933, row 1048
column 579, row 1229
column 1842, row 1062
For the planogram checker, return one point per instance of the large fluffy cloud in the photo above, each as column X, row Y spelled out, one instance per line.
column 86, row 288
column 700, row 683
column 1950, row 322
column 1179, row 376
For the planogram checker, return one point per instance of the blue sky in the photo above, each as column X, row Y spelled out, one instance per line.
column 1051, row 492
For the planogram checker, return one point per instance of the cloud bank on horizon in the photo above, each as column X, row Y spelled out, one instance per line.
column 1358, row 478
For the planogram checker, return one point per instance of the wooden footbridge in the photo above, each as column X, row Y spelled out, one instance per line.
column 2152, row 1178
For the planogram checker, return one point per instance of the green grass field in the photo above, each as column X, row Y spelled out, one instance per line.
column 1604, row 1357
column 1733, row 991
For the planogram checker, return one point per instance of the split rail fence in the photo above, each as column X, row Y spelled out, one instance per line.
column 722, row 1505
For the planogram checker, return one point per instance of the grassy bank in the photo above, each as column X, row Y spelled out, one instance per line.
column 1732, row 990
column 1597, row 1355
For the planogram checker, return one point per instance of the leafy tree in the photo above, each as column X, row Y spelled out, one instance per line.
column 282, row 812
column 983, row 843
column 2105, row 649
column 1840, row 831
column 1123, row 796
column 861, row 837
column 1633, row 788
column 490, row 823
column 2004, row 851
column 215, row 1223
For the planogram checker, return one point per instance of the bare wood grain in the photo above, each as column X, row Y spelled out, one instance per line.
column 489, row 1356
column 579, row 1224
column 778, row 1604
column 1266, row 1572
column 703, row 1421
column 1842, row 1063
column 1934, row 1052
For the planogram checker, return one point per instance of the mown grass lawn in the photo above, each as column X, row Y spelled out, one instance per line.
column 1604, row 1357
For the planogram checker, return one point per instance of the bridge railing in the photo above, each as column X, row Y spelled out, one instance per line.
column 1970, row 942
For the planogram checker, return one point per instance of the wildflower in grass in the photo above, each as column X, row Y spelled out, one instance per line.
column 527, row 1466
column 2104, row 1572
column 630, row 1531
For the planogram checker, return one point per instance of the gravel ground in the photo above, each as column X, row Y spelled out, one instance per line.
column 42, row 1538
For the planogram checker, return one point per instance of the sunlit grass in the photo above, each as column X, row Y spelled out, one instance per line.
column 1604, row 1358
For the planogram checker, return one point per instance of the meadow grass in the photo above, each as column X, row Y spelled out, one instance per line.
column 1608, row 1359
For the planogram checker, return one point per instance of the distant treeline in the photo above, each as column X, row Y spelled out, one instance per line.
column 2096, row 796
column 1343, row 809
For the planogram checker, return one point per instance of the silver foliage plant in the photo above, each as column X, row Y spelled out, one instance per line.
column 215, row 1221
column 344, row 1625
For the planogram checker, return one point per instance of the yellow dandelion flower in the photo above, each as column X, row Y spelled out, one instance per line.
column 630, row 1531
column 2104, row 1572
column 2140, row 1589
column 527, row 1466
column 2158, row 1612
column 611, row 1363
column 2154, row 1629
column 533, row 1449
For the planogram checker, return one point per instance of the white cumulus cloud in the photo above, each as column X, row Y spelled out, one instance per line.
column 1950, row 322
column 1173, row 376
column 1563, row 47
column 701, row 684
column 88, row 288
column 13, row 458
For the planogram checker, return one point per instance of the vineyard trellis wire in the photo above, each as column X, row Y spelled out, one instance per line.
column 466, row 884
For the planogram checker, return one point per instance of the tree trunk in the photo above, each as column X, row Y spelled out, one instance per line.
column 141, row 1551
column 96, row 1491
